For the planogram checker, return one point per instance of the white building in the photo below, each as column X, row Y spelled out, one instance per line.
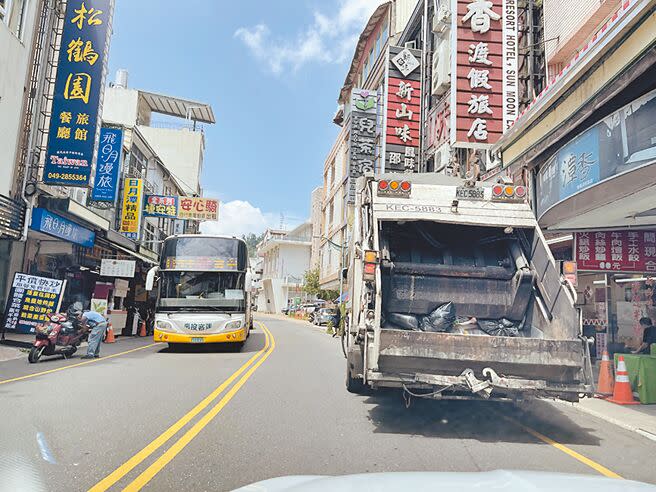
column 316, row 207
column 286, row 258
column 180, row 143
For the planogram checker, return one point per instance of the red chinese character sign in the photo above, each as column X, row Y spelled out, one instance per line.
column 616, row 251
column 196, row 208
column 484, row 71
column 403, row 110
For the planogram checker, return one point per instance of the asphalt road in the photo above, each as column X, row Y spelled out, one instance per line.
column 214, row 420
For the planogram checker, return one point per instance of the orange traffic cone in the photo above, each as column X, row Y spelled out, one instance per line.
column 606, row 381
column 142, row 329
column 622, row 394
column 110, row 335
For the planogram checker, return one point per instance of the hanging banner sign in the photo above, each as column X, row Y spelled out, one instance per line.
column 616, row 251
column 198, row 208
column 105, row 184
column 30, row 299
column 131, row 212
column 58, row 226
column 161, row 206
column 78, row 85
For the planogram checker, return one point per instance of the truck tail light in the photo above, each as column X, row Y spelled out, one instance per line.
column 369, row 272
column 383, row 185
column 508, row 193
column 370, row 257
column 405, row 185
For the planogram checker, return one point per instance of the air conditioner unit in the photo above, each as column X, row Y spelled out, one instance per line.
column 441, row 158
column 78, row 195
column 441, row 19
column 441, row 76
column 412, row 45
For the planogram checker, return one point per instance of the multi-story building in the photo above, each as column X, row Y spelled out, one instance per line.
column 366, row 71
column 60, row 231
column 587, row 146
column 18, row 29
column 286, row 258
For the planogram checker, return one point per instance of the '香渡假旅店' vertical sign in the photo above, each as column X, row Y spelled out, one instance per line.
column 78, row 85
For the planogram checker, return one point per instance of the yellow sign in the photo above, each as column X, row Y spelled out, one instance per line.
column 198, row 208
column 131, row 213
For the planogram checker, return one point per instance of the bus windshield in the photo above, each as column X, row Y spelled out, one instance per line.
column 220, row 290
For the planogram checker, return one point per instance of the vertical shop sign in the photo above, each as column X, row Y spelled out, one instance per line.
column 131, row 212
column 78, row 85
column 484, row 71
column 30, row 299
column 616, row 251
column 110, row 150
column 403, row 113
column 362, row 137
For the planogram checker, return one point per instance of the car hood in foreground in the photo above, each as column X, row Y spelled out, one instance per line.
column 449, row 482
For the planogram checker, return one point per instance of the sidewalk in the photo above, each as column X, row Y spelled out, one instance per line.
column 637, row 418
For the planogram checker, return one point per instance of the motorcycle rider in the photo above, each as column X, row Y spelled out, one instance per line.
column 98, row 324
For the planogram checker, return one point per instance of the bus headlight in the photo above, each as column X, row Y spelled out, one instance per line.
column 233, row 325
column 164, row 325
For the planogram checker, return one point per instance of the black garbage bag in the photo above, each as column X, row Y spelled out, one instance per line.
column 499, row 327
column 440, row 319
column 404, row 321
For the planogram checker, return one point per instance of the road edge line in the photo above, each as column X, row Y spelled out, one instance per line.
column 135, row 460
column 160, row 463
column 598, row 467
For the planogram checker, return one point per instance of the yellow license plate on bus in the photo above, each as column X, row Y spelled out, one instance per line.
column 197, row 340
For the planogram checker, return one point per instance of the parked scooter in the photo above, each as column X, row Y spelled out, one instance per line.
column 57, row 336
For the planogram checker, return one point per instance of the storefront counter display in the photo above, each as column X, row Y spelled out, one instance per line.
column 642, row 375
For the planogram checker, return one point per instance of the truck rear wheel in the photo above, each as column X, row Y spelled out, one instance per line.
column 354, row 385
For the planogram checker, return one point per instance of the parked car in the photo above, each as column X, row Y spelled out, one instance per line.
column 323, row 315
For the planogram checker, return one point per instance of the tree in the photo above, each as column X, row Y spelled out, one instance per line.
column 311, row 282
column 252, row 241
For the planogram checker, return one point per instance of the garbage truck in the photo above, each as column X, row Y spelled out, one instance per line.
column 454, row 294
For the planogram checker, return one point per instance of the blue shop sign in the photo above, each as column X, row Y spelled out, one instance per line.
column 78, row 85
column 619, row 143
column 105, row 184
column 58, row 226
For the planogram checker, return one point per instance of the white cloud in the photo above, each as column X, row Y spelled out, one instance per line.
column 328, row 39
column 240, row 217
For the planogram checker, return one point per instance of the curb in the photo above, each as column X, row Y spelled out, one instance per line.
column 601, row 416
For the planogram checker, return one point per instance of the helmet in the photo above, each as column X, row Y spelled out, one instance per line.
column 74, row 311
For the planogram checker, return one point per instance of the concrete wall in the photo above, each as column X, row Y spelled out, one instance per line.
column 181, row 151
column 572, row 23
column 14, row 77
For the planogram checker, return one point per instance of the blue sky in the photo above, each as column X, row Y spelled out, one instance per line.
column 271, row 70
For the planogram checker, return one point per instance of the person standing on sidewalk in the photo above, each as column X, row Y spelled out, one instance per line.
column 98, row 325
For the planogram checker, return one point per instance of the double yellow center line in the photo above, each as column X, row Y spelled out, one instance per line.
column 138, row 483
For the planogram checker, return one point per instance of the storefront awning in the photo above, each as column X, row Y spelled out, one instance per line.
column 125, row 250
